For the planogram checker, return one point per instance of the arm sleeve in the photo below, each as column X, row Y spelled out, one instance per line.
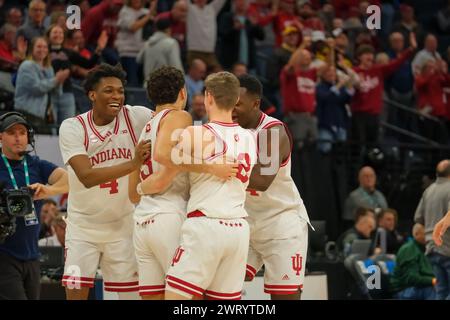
column 46, row 168
column 139, row 117
column 392, row 66
column 27, row 77
column 125, row 20
column 408, row 261
column 217, row 5
column 419, row 215
column 71, row 139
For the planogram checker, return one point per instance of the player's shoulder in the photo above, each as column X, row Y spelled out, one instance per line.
column 74, row 123
column 139, row 111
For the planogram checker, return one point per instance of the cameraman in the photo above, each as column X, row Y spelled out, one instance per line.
column 19, row 253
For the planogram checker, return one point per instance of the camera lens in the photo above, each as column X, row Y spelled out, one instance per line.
column 17, row 206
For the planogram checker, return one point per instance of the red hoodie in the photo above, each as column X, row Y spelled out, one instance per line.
column 430, row 92
column 298, row 90
column 369, row 96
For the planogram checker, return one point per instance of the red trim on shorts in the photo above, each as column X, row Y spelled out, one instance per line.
column 130, row 127
column 86, row 137
column 196, row 214
column 282, row 289
column 181, row 285
column 223, row 296
column 250, row 272
column 151, row 290
column 77, row 281
column 131, row 289
column 121, row 284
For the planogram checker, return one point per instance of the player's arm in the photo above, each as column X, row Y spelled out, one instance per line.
column 272, row 151
column 58, row 183
column 159, row 182
column 133, row 180
column 440, row 228
column 182, row 155
column 91, row 177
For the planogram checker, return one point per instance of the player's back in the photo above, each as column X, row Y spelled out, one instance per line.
column 174, row 199
column 224, row 199
column 102, row 208
column 281, row 200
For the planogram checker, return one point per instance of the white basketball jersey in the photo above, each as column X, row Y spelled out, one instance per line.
column 224, row 199
column 273, row 210
column 174, row 200
column 98, row 213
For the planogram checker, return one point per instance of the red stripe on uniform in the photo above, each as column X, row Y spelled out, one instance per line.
column 130, row 128
column 224, row 295
column 121, row 284
column 251, row 269
column 181, row 288
column 131, row 289
column 280, row 292
column 151, row 287
column 213, row 298
column 226, row 124
column 225, row 147
column 150, row 293
column 78, row 278
column 275, row 286
column 86, row 137
column 173, row 281
column 92, row 126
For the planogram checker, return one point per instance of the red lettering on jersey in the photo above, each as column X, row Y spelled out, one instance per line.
column 147, row 169
column 114, row 154
column 129, row 156
column 122, row 153
column 113, row 186
column 177, row 255
column 244, row 165
column 148, row 127
column 111, row 154
column 297, row 263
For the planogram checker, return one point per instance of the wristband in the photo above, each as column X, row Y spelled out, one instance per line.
column 139, row 189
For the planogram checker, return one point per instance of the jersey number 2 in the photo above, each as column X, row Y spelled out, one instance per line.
column 244, row 167
column 112, row 185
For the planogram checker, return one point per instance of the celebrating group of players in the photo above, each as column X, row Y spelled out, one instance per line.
column 212, row 203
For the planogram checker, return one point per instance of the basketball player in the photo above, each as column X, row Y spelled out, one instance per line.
column 277, row 217
column 213, row 249
column 98, row 148
column 164, row 190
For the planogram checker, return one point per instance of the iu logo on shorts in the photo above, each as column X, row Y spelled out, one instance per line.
column 297, row 263
column 177, row 255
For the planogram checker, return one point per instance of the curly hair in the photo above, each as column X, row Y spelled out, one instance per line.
column 164, row 84
column 103, row 70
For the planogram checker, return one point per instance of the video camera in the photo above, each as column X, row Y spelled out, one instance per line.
column 13, row 203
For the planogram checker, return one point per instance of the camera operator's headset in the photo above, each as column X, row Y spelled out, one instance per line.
column 16, row 117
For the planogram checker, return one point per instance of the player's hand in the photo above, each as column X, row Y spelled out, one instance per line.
column 41, row 191
column 440, row 228
column 141, row 153
column 224, row 171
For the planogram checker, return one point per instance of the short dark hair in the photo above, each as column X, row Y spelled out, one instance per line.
column 103, row 70
column 386, row 211
column 363, row 49
column 164, row 84
column 252, row 84
column 362, row 212
column 49, row 201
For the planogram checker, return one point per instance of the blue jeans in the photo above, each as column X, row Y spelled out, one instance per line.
column 329, row 136
column 441, row 268
column 64, row 106
column 416, row 293
column 131, row 67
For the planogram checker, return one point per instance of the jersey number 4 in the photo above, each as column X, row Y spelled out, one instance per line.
column 243, row 167
column 113, row 186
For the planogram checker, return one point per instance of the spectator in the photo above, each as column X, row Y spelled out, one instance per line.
column 82, row 59
column 362, row 229
column 368, row 101
column 298, row 92
column 366, row 195
column 160, row 50
column 387, row 220
column 103, row 16
column 132, row 18
column 59, row 18
column 238, row 32
column 278, row 60
column 239, row 69
column 432, row 208
column 285, row 16
column 332, row 97
column 11, row 57
column 341, row 45
column 408, row 25
column 177, row 17
column 49, row 210
column 194, row 78
column 14, row 17
column 37, row 84
column 34, row 26
column 308, row 17
column 381, row 58
column 413, row 277
column 443, row 18
column 202, row 31
column 198, row 111
column 430, row 85
column 58, row 234
column 426, row 54
column 399, row 86
column 84, row 6
column 63, row 104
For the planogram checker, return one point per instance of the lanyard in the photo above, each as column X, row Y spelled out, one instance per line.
column 11, row 175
